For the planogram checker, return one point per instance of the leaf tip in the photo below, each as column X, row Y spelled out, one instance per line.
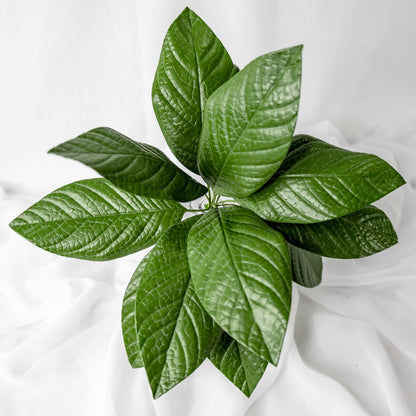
column 400, row 180
column 188, row 12
column 298, row 49
column 246, row 392
column 52, row 151
column 13, row 224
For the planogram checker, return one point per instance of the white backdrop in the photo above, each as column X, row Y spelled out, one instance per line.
column 69, row 66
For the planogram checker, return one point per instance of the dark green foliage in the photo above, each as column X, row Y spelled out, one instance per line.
column 217, row 285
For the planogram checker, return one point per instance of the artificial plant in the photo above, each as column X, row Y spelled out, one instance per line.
column 218, row 284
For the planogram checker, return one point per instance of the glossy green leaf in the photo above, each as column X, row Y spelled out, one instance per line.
column 318, row 182
column 249, row 122
column 241, row 272
column 360, row 234
column 241, row 366
column 135, row 167
column 193, row 64
column 94, row 220
column 306, row 267
column 175, row 333
column 128, row 320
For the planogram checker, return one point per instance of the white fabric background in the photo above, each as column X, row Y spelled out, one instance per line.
column 69, row 66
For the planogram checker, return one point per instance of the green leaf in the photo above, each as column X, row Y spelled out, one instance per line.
column 241, row 272
column 135, row 167
column 249, row 122
column 94, row 220
column 306, row 267
column 318, row 182
column 241, row 366
column 193, row 64
column 360, row 234
column 175, row 332
column 128, row 320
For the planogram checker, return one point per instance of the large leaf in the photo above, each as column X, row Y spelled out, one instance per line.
column 241, row 366
column 128, row 320
column 249, row 122
column 193, row 64
column 136, row 167
column 362, row 233
column 318, row 182
column 306, row 267
column 241, row 272
column 94, row 220
column 175, row 333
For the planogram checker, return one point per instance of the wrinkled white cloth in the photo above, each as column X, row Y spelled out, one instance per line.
column 350, row 348
column 74, row 65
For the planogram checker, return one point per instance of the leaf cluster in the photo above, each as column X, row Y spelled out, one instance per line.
column 218, row 284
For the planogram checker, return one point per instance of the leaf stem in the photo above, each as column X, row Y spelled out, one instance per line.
column 198, row 210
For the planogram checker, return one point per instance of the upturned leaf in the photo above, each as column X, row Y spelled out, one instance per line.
column 192, row 65
column 135, row 167
column 241, row 272
column 249, row 122
column 175, row 333
column 92, row 219
column 241, row 366
column 306, row 267
column 360, row 234
column 318, row 182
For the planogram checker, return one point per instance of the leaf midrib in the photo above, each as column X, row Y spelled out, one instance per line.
column 131, row 155
column 248, row 123
column 90, row 217
column 239, row 281
column 198, row 74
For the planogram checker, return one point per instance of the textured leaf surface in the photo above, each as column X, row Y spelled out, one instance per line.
column 306, row 267
column 241, row 366
column 360, row 234
column 318, row 182
column 241, row 272
column 193, row 64
column 93, row 219
column 249, row 122
column 136, row 167
column 175, row 332
column 128, row 320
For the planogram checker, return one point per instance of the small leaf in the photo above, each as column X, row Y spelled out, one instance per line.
column 318, row 182
column 360, row 234
column 94, row 220
column 241, row 272
column 306, row 267
column 193, row 64
column 249, row 122
column 175, row 333
column 135, row 167
column 241, row 366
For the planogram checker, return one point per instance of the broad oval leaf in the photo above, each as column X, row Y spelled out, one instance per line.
column 241, row 366
column 249, row 122
column 135, row 167
column 318, row 182
column 175, row 333
column 360, row 234
column 192, row 65
column 306, row 267
column 241, row 272
column 92, row 219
